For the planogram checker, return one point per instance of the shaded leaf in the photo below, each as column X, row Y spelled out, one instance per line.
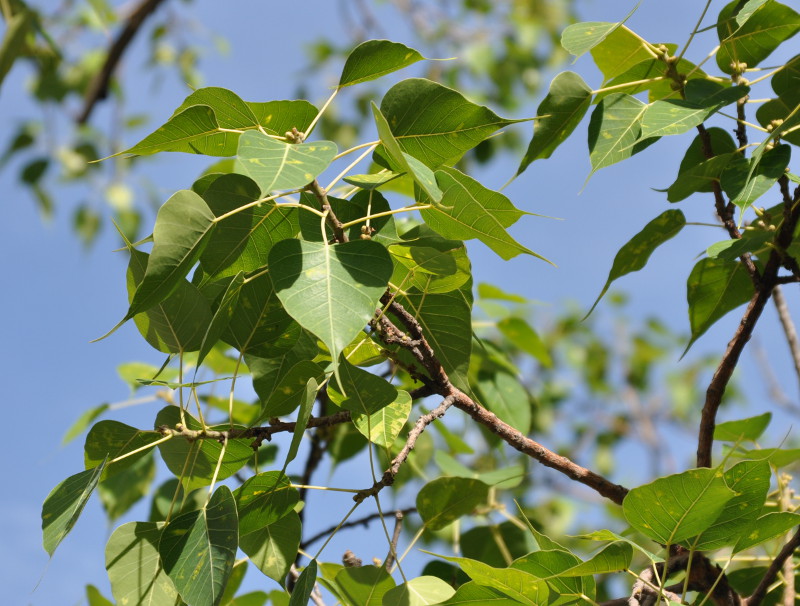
column 634, row 255
column 714, row 288
column 362, row 392
column 698, row 178
column 108, row 440
column 503, row 394
column 558, row 114
column 122, row 491
column 364, row 585
column 612, row 558
column 198, row 549
column 579, row 38
column 222, row 317
column 522, row 336
column 63, row 506
column 273, row 548
column 444, row 500
column 306, row 404
column 744, row 181
column 674, row 508
column 375, row 58
column 304, row 585
column 472, row 593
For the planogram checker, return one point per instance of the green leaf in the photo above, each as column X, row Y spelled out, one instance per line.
column 269, row 529
column 714, row 288
column 229, row 110
column 201, row 455
column 290, row 391
column 280, row 117
column 473, row 594
column 430, row 266
column 421, row 591
column 750, row 428
column 469, row 210
column 607, row 535
column 183, row 226
column 779, row 457
column 766, row 527
column 558, row 114
column 443, row 124
column 444, row 500
column 79, row 426
column 304, row 585
column 273, row 164
column 518, row 584
column 752, row 241
column 95, row 598
column 744, row 181
column 242, row 241
column 198, row 549
column 579, row 38
column 764, row 30
column 749, row 480
column 362, row 392
column 273, row 548
column 383, row 426
column 698, row 178
column 550, row 564
column 620, row 50
column 490, row 291
column 634, row 255
column 522, row 336
column 122, row 491
column 364, row 585
column 375, row 58
column 649, row 76
column 195, row 130
column 221, row 319
column 503, row 394
column 259, row 325
column 331, row 290
column 676, row 116
column 612, row 558
column 234, row 581
column 677, row 507
column 446, row 320
column 405, row 163
column 63, row 506
column 306, row 404
column 371, row 181
column 108, row 440
column 13, row 44
column 615, row 129
column 134, row 567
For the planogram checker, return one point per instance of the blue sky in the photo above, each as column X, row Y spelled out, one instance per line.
column 58, row 297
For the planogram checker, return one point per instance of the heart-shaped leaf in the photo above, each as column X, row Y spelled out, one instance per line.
column 375, row 58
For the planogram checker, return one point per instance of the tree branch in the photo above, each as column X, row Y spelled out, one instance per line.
column 98, row 88
column 394, row 468
column 730, row 358
column 351, row 524
column 772, row 572
column 788, row 327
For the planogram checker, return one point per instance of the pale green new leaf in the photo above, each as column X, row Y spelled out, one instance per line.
column 515, row 583
column 677, row 507
column 331, row 290
column 420, row 591
column 383, row 426
column 273, row 164
column 375, row 58
column 469, row 210
column 558, row 114
column 619, row 51
column 614, row 130
column 198, row 549
column 444, row 500
column 364, row 585
column 443, row 124
column 634, row 255
column 579, row 38
column 134, row 567
column 714, row 288
column 63, row 506
column 183, row 226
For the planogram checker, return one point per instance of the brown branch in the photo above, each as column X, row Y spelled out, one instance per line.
column 398, row 527
column 259, row 434
column 769, row 577
column 788, row 327
column 359, row 522
column 730, row 358
column 98, row 88
column 394, row 468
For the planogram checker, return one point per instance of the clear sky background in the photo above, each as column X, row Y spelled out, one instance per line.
column 56, row 296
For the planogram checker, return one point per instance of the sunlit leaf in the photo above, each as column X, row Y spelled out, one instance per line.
column 766, row 527
column 364, row 585
column 375, row 58
column 304, row 585
column 750, row 428
column 420, row 591
column 615, row 129
column 384, row 425
column 444, row 500
column 503, row 394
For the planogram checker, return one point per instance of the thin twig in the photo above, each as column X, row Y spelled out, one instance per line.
column 359, row 522
column 769, row 577
column 98, row 89
column 788, row 327
column 398, row 527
